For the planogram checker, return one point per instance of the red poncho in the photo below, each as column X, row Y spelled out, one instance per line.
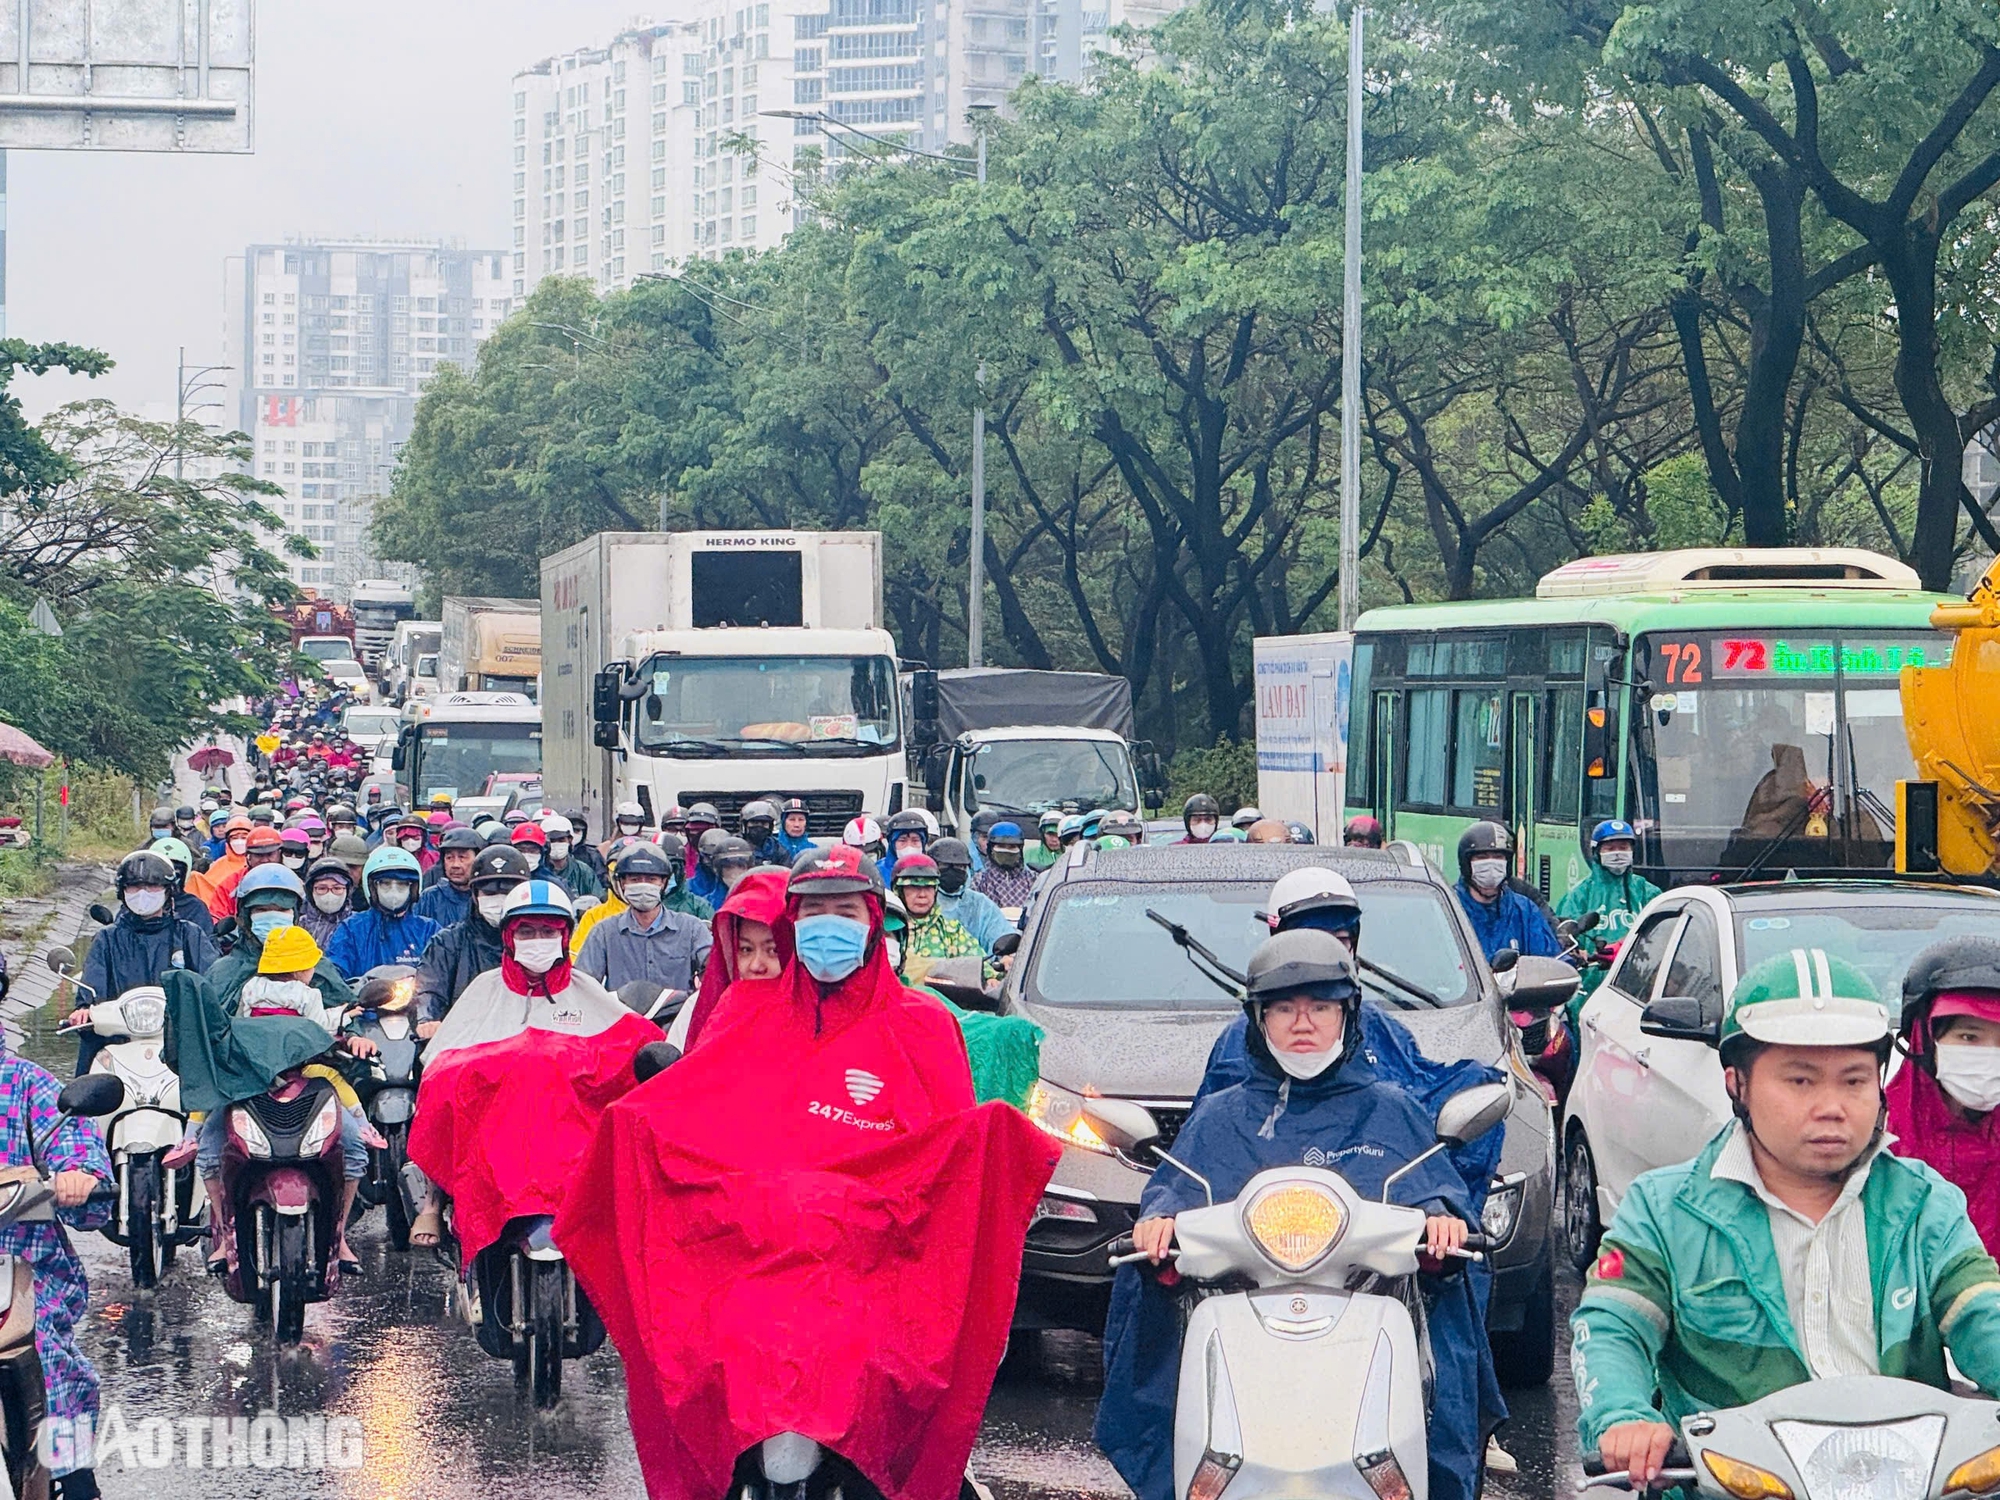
column 806, row 1226
column 758, row 897
column 1966, row 1153
column 512, row 1091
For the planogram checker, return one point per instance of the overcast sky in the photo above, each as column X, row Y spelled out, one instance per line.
column 374, row 117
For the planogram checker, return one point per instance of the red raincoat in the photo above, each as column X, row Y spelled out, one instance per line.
column 758, row 897
column 1964, row 1153
column 806, row 1226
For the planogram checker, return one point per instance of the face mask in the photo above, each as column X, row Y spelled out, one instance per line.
column 238, row 845
column 413, row 842
column 392, row 895
column 643, row 895
column 145, row 903
column 490, row 908
column 315, row 848
column 330, row 901
column 895, row 950
column 1005, row 859
column 1616, row 861
column 293, row 861
column 1971, row 1075
column 1202, row 829
column 951, row 879
column 558, row 848
column 1489, row 874
column 264, row 923
column 538, row 955
column 1304, row 1065
column 630, row 830
column 831, row 947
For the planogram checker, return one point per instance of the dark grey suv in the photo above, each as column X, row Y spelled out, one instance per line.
column 1128, row 1016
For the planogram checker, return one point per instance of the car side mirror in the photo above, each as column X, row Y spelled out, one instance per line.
column 60, row 960
column 1121, row 1124
column 1470, row 1113
column 1542, row 984
column 1680, row 1018
column 93, row 1094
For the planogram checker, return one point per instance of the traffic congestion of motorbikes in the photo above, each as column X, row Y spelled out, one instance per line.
column 585, row 1067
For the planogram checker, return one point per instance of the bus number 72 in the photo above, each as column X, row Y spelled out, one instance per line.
column 1683, row 662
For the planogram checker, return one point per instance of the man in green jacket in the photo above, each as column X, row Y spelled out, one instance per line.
column 1794, row 1248
column 269, row 898
column 1612, row 891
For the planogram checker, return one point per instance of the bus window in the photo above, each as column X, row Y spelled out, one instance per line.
column 1429, row 739
column 1479, row 753
column 1561, row 799
column 1361, row 727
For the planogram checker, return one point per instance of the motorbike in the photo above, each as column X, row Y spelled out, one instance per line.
column 1545, row 1040
column 27, row 1198
column 1306, row 1365
column 521, row 1301
column 1851, row 1438
column 160, row 1208
column 383, row 1014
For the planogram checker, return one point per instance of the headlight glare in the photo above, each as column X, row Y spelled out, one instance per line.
column 1059, row 1111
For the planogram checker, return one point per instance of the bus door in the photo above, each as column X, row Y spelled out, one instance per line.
column 1382, row 777
column 1524, row 766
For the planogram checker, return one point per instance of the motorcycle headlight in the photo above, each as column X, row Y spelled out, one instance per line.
column 255, row 1142
column 1295, row 1223
column 324, row 1124
column 1885, row 1461
column 145, row 1015
column 1059, row 1111
column 1502, row 1211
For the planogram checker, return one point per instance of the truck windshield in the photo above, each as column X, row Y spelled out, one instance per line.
column 459, row 757
column 759, row 705
column 1032, row 776
column 328, row 647
column 427, row 665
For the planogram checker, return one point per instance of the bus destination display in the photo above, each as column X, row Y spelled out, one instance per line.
column 1692, row 660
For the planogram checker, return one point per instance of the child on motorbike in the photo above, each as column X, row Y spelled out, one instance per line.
column 1313, row 1097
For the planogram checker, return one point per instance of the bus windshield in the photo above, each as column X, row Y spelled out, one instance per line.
column 457, row 758
column 1772, row 750
column 762, row 705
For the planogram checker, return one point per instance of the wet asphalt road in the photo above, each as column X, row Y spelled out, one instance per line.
column 440, row 1421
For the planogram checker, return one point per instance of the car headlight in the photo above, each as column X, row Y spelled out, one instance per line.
column 1295, row 1223
column 324, row 1124
column 145, row 1014
column 1502, row 1211
column 1059, row 1111
column 1886, row 1461
column 255, row 1142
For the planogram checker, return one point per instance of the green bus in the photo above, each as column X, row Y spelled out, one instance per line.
column 1741, row 709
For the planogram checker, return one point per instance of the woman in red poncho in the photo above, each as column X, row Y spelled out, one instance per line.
column 816, row 1166
column 753, row 940
column 1944, row 1102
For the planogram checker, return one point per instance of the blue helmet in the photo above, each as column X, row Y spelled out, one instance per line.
column 389, row 859
column 1612, row 828
column 539, row 898
column 268, row 878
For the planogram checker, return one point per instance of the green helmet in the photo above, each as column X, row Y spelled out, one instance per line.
column 1806, row 998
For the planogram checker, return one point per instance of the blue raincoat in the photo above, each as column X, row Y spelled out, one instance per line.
column 371, row 937
column 444, row 904
column 1513, row 921
column 1249, row 1117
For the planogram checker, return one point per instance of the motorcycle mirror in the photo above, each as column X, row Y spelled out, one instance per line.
column 1470, row 1113
column 1590, row 920
column 653, row 1059
column 1120, row 1123
column 93, row 1094
column 60, row 960
column 1008, row 944
column 1504, row 960
column 640, row 995
column 1542, row 984
column 101, row 914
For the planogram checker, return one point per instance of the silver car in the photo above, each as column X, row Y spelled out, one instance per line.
column 1128, row 1016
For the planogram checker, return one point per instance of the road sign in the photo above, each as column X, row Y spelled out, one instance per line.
column 127, row 75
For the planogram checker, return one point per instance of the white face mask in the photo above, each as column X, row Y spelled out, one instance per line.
column 643, row 895
column 330, row 902
column 558, row 848
column 1616, row 861
column 1202, row 829
column 1489, row 874
column 145, row 903
column 1971, row 1075
column 1304, row 1065
column 490, row 908
column 538, row 955
column 392, row 895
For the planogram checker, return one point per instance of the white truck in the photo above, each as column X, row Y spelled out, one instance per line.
column 458, row 742
column 721, row 667
column 413, row 642
column 1023, row 742
column 380, row 605
column 490, row 646
column 1303, row 684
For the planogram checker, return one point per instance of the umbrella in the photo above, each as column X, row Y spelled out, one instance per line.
column 210, row 758
column 17, row 748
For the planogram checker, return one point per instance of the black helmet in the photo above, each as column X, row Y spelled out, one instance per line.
column 909, row 820
column 144, row 867
column 1302, row 962
column 1299, row 833
column 732, row 851
column 794, row 805
column 1200, row 805
column 497, row 834
column 1482, row 838
column 184, row 814
column 949, row 851
column 641, row 858
column 325, row 867
column 673, row 847
column 1966, row 962
column 499, row 868
column 760, row 811
column 160, row 819
column 461, row 838
column 711, row 842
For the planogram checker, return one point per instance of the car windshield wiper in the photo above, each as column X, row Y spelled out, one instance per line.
column 1407, row 986
column 1226, row 978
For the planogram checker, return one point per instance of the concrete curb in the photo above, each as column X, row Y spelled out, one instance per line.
column 33, row 985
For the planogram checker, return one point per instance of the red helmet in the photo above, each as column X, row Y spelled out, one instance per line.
column 839, row 871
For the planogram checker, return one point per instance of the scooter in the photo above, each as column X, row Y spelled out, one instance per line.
column 160, row 1208
column 521, row 1301
column 1858, row 1436
column 281, row 1190
column 382, row 1014
column 27, row 1198
column 1311, row 1379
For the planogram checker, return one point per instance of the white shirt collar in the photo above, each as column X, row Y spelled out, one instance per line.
column 1736, row 1163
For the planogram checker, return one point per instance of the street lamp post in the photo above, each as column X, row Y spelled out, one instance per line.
column 188, row 383
column 1350, row 343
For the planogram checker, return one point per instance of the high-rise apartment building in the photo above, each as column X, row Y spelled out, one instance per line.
column 332, row 341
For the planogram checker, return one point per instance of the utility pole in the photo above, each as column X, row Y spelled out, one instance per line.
column 1350, row 343
column 975, row 603
column 189, row 383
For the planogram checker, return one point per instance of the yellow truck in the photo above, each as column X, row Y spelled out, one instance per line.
column 1948, row 818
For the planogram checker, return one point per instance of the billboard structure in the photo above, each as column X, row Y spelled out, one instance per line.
column 127, row 75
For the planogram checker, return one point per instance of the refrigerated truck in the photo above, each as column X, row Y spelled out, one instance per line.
column 721, row 667
column 1303, row 685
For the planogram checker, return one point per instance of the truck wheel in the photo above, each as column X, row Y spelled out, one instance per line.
column 1528, row 1358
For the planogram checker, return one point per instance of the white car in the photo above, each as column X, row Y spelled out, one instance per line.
column 1648, row 1091
column 346, row 672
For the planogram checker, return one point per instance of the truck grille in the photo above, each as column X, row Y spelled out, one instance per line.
column 827, row 813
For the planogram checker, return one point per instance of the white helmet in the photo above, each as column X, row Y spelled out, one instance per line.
column 556, row 826
column 930, row 822
column 628, row 812
column 1245, row 816
column 863, row 833
column 540, row 898
column 1310, row 889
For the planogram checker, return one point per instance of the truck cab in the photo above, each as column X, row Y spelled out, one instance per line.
column 457, row 742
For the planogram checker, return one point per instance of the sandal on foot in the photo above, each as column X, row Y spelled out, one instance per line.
column 427, row 1229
